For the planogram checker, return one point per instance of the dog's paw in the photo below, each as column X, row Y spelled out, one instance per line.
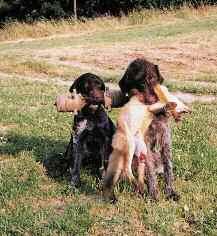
column 170, row 106
column 109, row 197
column 139, row 190
column 114, row 200
column 153, row 194
column 173, row 195
column 75, row 182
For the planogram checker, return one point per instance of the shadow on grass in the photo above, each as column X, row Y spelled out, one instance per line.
column 51, row 153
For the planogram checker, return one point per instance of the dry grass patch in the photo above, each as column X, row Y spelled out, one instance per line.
column 37, row 203
column 213, row 139
column 183, row 48
column 4, row 128
column 4, row 158
column 28, row 67
column 123, row 219
column 213, row 135
column 187, row 57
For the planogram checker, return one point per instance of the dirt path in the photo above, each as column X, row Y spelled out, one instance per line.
column 185, row 97
column 190, row 98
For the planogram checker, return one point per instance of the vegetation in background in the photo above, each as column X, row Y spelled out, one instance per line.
column 44, row 27
column 49, row 9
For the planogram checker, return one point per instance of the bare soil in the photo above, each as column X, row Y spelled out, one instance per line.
column 183, row 58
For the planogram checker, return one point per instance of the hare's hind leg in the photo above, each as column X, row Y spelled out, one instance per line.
column 112, row 175
column 128, row 163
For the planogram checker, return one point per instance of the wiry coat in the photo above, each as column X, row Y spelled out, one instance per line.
column 144, row 75
column 93, row 129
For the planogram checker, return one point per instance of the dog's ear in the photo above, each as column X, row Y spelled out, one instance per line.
column 133, row 76
column 160, row 77
column 79, row 83
column 139, row 74
column 123, row 84
column 152, row 75
column 73, row 86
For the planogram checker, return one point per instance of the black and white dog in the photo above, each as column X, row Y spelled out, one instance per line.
column 93, row 129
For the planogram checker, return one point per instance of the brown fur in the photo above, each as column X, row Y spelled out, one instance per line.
column 133, row 120
column 144, row 76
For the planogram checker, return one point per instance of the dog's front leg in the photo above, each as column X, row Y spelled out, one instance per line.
column 104, row 159
column 151, row 179
column 69, row 153
column 167, row 165
column 77, row 151
column 76, row 165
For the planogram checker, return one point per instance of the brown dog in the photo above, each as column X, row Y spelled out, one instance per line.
column 128, row 141
column 132, row 123
column 143, row 75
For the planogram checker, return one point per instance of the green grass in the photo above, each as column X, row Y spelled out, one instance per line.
column 33, row 203
column 194, row 87
column 31, row 67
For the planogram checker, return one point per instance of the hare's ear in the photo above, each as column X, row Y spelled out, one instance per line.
column 157, row 69
column 159, row 76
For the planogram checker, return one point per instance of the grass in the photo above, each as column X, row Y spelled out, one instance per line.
column 182, row 42
column 33, row 203
column 194, row 87
column 32, row 67
column 204, row 84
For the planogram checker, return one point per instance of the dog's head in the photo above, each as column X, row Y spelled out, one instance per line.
column 91, row 87
column 140, row 74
